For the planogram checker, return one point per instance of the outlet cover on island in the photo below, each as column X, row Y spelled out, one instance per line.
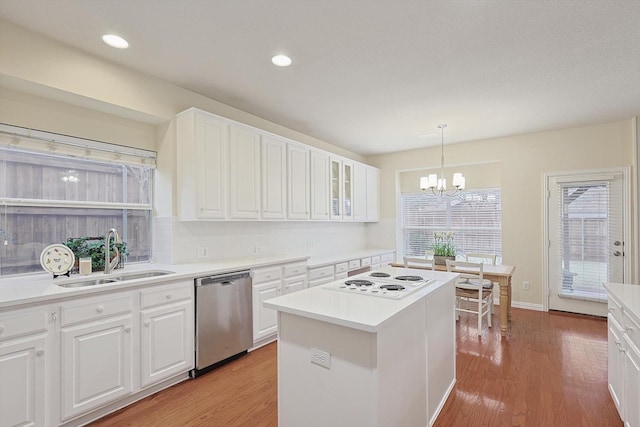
column 525, row 285
column 203, row 252
column 321, row 357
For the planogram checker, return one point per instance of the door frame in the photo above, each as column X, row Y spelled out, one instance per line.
column 626, row 221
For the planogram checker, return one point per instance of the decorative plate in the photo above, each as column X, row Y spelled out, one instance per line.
column 57, row 259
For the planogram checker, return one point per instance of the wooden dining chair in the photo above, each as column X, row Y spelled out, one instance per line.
column 474, row 293
column 484, row 258
column 417, row 262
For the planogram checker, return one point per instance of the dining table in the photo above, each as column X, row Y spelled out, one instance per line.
column 497, row 273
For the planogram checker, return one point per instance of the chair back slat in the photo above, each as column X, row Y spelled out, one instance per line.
column 417, row 262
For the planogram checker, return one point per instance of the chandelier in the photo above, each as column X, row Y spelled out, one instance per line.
column 438, row 185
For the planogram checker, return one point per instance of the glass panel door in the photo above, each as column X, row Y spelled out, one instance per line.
column 586, row 241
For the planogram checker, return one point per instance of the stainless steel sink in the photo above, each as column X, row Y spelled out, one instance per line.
column 112, row 279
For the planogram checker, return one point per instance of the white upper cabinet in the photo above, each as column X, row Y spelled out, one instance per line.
column 320, row 185
column 341, row 189
column 299, row 182
column 230, row 171
column 244, row 172
column 274, row 177
column 359, row 192
column 201, row 165
column 373, row 191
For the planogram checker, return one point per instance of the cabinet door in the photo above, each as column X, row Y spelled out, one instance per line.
column 96, row 364
column 615, row 362
column 244, row 172
column 167, row 342
column 359, row 192
column 293, row 284
column 274, row 178
column 298, row 182
column 347, row 190
column 211, row 142
column 22, row 382
column 632, row 386
column 265, row 320
column 336, row 188
column 320, row 184
column 373, row 191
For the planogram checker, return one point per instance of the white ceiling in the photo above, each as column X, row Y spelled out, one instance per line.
column 372, row 75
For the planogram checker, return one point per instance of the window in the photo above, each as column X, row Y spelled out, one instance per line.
column 54, row 187
column 474, row 217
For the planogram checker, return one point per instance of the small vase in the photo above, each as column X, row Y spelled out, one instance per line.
column 442, row 260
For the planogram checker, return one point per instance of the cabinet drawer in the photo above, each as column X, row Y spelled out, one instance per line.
column 295, row 269
column 165, row 294
column 320, row 273
column 375, row 260
column 94, row 309
column 343, row 267
column 365, row 262
column 386, row 258
column 262, row 275
column 354, row 263
column 632, row 329
column 340, row 276
column 615, row 309
column 22, row 323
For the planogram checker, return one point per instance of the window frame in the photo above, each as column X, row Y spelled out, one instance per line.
column 462, row 234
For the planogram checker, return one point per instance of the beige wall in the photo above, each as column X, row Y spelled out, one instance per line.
column 519, row 162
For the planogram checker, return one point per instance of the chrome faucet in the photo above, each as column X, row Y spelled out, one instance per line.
column 109, row 265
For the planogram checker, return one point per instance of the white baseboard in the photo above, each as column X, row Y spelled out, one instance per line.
column 520, row 304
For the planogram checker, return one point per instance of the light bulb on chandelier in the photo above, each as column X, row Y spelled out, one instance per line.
column 438, row 185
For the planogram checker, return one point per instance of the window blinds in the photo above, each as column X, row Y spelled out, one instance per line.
column 474, row 217
column 587, row 227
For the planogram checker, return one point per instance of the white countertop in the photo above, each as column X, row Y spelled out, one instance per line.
column 41, row 287
column 322, row 260
column 362, row 312
column 628, row 296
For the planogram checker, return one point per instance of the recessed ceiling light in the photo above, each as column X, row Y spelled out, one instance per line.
column 115, row 41
column 281, row 60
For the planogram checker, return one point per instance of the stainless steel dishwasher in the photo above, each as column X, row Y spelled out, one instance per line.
column 224, row 320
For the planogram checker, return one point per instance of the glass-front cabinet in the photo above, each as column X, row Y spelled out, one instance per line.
column 341, row 189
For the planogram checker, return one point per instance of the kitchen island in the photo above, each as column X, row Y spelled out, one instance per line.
column 348, row 356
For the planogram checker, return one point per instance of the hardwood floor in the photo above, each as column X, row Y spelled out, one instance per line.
column 551, row 371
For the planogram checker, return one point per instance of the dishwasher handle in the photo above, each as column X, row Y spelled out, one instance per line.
column 224, row 280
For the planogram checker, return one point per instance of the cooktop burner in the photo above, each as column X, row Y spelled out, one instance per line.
column 392, row 287
column 379, row 274
column 409, row 278
column 358, row 282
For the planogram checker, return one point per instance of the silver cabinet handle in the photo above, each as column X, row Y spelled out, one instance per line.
column 100, row 309
column 39, row 353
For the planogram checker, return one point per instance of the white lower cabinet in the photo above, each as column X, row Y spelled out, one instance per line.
column 64, row 361
column 624, row 360
column 615, row 361
column 166, row 332
column 23, row 355
column 96, row 352
column 270, row 282
column 632, row 384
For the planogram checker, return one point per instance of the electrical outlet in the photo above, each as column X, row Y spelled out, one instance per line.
column 257, row 250
column 321, row 357
column 203, row 252
column 525, row 285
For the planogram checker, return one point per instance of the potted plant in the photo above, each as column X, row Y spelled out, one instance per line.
column 93, row 247
column 443, row 248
